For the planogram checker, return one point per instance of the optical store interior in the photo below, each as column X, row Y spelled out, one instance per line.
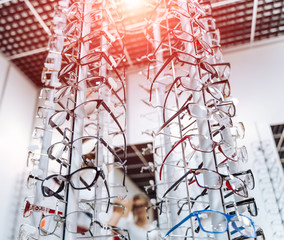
column 141, row 119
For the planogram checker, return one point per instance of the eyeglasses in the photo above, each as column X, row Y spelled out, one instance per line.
column 83, row 178
column 237, row 130
column 183, row 205
column 199, row 111
column 250, row 203
column 247, row 177
column 181, row 36
column 28, row 232
column 30, row 208
column 90, row 204
column 259, row 233
column 216, row 222
column 227, row 107
column 204, row 144
column 89, row 144
column 157, row 205
column 212, row 180
column 135, row 207
column 79, row 222
column 89, row 84
column 185, row 58
column 73, row 28
column 178, row 33
column 93, row 57
column 218, row 89
column 193, row 13
column 83, row 110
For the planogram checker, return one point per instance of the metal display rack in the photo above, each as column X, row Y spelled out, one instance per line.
column 82, row 114
column 197, row 139
column 83, row 118
column 270, row 177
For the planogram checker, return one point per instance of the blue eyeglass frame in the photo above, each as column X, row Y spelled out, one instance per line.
column 228, row 217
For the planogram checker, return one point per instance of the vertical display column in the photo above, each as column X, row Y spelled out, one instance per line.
column 192, row 79
column 84, row 116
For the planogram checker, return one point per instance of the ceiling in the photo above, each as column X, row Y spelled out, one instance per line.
column 25, row 28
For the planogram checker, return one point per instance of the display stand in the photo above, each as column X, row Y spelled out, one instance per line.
column 82, row 94
column 192, row 36
column 190, row 75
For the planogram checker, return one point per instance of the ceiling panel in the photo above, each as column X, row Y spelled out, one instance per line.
column 23, row 39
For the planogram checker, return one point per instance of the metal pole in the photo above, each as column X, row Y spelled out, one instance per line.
column 165, row 140
column 72, row 196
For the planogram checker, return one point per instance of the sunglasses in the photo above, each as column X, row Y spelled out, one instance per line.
column 134, row 207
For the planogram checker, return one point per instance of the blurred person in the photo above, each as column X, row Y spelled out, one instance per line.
column 139, row 224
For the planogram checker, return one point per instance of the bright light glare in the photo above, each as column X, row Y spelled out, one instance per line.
column 134, row 4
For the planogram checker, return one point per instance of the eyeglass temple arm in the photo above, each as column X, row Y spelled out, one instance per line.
column 54, row 193
column 159, row 72
column 171, row 118
column 166, row 99
column 192, row 179
column 176, row 183
column 117, row 157
column 116, row 72
column 107, row 189
column 180, row 223
column 259, row 232
column 179, row 142
column 101, row 102
column 239, row 229
column 34, row 177
column 183, row 107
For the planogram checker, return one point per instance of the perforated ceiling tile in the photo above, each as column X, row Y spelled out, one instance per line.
column 234, row 21
column 21, row 34
column 32, row 66
column 270, row 19
column 19, row 29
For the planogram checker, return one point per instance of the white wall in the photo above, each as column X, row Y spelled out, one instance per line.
column 140, row 117
column 16, row 118
column 257, row 81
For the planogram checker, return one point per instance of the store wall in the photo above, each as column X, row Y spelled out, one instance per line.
column 257, row 81
column 18, row 97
